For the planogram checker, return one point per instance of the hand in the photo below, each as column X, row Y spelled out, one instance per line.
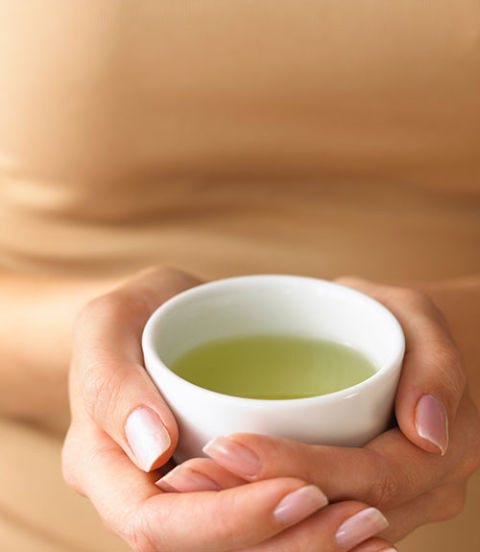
column 121, row 429
column 416, row 473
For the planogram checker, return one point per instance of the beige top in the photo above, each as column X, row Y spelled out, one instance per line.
column 227, row 137
column 241, row 136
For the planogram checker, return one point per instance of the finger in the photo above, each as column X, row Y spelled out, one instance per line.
column 433, row 381
column 198, row 474
column 375, row 545
column 336, row 528
column 133, row 507
column 386, row 472
column 440, row 504
column 108, row 381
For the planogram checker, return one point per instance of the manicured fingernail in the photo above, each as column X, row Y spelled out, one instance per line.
column 431, row 422
column 233, row 456
column 374, row 548
column 360, row 527
column 299, row 505
column 185, row 480
column 147, row 437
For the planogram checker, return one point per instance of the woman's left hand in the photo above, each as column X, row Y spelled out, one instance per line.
column 415, row 473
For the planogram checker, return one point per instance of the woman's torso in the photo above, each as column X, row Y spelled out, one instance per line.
column 241, row 136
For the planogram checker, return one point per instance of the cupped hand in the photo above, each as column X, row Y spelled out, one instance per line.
column 415, row 473
column 122, row 431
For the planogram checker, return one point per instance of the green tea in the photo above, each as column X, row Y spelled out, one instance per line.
column 273, row 366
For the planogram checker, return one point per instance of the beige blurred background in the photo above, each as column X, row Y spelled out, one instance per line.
column 293, row 136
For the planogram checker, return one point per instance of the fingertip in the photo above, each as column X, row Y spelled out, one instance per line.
column 360, row 526
column 234, row 456
column 352, row 280
column 431, row 423
column 375, row 545
column 299, row 504
column 185, row 480
column 424, row 421
column 165, row 486
column 148, row 438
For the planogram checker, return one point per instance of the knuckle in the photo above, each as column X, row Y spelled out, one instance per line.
column 100, row 389
column 350, row 281
column 119, row 304
column 94, row 385
column 450, row 502
column 420, row 297
column 227, row 529
column 411, row 296
column 384, row 491
column 159, row 271
column 169, row 277
column 449, row 363
column 94, row 307
column 449, row 354
column 138, row 535
column 108, row 306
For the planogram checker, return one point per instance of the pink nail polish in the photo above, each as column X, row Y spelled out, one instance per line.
column 299, row 505
column 375, row 548
column 233, row 456
column 431, row 422
column 147, row 437
column 360, row 527
column 185, row 480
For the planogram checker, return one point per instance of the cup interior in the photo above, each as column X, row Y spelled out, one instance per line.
column 271, row 304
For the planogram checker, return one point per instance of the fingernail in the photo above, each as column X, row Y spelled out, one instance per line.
column 147, row 437
column 299, row 505
column 233, row 456
column 431, row 422
column 375, row 548
column 184, row 480
column 360, row 527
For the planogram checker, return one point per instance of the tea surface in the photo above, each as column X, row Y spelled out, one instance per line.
column 273, row 366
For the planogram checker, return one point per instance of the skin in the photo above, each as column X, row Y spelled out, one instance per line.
column 98, row 463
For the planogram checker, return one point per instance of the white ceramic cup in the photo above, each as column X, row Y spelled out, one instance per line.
column 275, row 304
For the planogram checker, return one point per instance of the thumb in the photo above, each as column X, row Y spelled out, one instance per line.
column 432, row 381
column 108, row 382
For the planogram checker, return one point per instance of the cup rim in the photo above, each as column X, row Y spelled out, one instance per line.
column 380, row 374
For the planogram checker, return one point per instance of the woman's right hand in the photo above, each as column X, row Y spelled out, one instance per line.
column 122, row 431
